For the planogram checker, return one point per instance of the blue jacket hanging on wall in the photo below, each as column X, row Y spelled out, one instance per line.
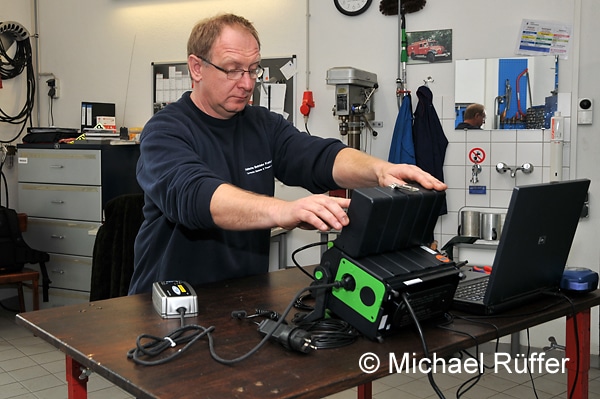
column 402, row 149
column 429, row 138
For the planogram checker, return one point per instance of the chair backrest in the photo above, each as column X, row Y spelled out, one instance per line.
column 112, row 263
column 13, row 249
column 9, row 239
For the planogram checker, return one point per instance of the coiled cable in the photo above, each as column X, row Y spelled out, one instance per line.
column 13, row 66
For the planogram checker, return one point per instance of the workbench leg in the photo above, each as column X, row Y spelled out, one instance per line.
column 365, row 391
column 582, row 357
column 77, row 388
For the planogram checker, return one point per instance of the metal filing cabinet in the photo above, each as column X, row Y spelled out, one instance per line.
column 63, row 190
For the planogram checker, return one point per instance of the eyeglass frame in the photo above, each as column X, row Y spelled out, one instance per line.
column 258, row 71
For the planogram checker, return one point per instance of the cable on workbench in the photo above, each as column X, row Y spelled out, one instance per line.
column 150, row 346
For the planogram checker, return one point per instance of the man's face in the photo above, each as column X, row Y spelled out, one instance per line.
column 480, row 118
column 215, row 93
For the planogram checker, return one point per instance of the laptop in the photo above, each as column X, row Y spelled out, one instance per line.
column 533, row 249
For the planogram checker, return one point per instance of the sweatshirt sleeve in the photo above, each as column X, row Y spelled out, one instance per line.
column 304, row 160
column 172, row 174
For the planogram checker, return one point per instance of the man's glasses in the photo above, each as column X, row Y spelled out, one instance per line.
column 237, row 74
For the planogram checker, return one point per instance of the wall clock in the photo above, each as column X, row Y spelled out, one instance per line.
column 352, row 7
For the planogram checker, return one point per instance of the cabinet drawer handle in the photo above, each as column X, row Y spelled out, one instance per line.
column 57, row 166
column 57, row 236
column 57, row 202
column 58, row 271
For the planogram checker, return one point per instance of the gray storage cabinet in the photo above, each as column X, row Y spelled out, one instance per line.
column 63, row 190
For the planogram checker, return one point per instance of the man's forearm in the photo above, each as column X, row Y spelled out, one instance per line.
column 354, row 169
column 235, row 209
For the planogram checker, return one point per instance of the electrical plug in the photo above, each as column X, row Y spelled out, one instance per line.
column 307, row 103
column 347, row 282
column 289, row 337
column 53, row 91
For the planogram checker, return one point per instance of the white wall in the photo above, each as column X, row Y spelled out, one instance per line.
column 89, row 44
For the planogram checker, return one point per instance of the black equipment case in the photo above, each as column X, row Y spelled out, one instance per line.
column 385, row 260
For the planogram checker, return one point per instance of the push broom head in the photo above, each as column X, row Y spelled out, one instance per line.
column 390, row 7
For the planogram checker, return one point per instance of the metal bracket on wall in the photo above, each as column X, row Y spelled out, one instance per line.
column 502, row 168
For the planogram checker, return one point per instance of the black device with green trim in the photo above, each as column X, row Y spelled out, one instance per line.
column 383, row 254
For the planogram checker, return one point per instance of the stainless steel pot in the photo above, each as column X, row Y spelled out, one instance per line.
column 470, row 225
column 491, row 226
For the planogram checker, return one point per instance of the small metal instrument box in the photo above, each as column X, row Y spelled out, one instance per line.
column 173, row 297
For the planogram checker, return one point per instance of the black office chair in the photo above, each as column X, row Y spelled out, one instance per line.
column 15, row 253
column 112, row 263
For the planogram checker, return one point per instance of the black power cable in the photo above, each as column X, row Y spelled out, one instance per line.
column 149, row 346
column 527, row 365
column 576, row 333
column 305, row 247
column 13, row 66
column 423, row 344
column 330, row 333
column 471, row 382
column 3, row 176
column 562, row 296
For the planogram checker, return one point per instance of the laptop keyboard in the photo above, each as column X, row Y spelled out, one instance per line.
column 472, row 292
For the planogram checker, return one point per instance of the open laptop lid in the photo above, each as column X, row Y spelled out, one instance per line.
column 536, row 239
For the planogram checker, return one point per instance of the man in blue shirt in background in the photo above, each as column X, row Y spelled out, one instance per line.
column 474, row 117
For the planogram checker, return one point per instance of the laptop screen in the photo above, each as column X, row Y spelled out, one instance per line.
column 536, row 238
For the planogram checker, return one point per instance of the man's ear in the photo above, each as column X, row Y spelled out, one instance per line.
column 195, row 66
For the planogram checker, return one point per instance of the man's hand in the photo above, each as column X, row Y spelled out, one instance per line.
column 355, row 169
column 404, row 173
column 236, row 209
column 319, row 212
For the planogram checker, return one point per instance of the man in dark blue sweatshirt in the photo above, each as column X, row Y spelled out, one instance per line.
column 208, row 166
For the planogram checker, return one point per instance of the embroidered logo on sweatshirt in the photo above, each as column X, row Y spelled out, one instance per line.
column 261, row 167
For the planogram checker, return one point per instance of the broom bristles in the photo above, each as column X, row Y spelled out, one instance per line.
column 390, row 7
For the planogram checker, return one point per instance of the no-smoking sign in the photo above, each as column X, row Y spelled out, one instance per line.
column 476, row 155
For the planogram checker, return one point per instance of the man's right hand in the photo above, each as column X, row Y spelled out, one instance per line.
column 320, row 212
column 235, row 209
